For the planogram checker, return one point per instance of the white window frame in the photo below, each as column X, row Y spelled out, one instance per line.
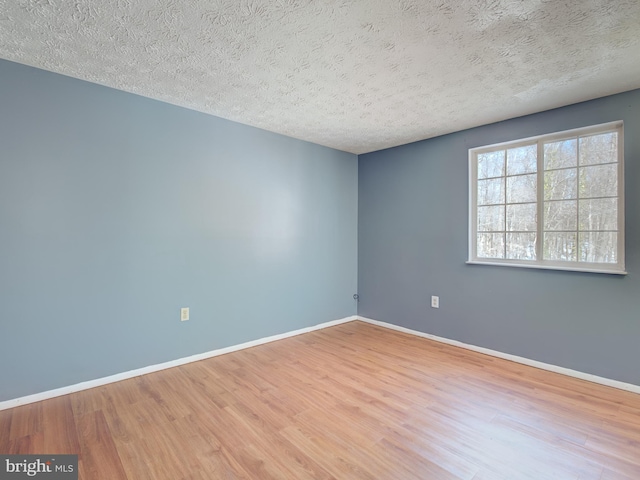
column 610, row 268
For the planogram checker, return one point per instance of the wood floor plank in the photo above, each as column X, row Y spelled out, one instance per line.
column 100, row 459
column 59, row 427
column 27, row 445
column 334, row 458
column 88, row 401
column 272, row 456
column 354, row 401
column 26, row 421
column 611, row 475
column 5, row 429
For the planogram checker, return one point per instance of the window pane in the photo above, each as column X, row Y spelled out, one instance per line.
column 522, row 160
column 491, row 192
column 599, row 181
column 599, row 247
column 560, row 246
column 560, row 184
column 601, row 148
column 491, row 164
column 490, row 245
column 521, row 217
column 550, row 201
column 491, row 219
column 521, row 189
column 561, row 215
column 600, row 214
column 521, row 246
column 560, row 154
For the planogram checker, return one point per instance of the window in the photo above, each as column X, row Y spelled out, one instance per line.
column 554, row 201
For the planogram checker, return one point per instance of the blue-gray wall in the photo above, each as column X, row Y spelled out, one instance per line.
column 117, row 210
column 413, row 214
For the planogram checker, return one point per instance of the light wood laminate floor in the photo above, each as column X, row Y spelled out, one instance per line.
column 354, row 401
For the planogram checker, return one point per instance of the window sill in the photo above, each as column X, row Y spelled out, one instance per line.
column 609, row 271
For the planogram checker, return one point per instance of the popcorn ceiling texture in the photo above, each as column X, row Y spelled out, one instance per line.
column 356, row 75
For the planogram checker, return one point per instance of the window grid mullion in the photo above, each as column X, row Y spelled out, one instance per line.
column 578, row 199
column 620, row 226
column 540, row 200
column 504, row 226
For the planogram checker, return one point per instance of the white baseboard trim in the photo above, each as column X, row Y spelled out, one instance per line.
column 38, row 397
column 630, row 387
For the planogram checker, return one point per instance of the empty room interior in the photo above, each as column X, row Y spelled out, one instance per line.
column 320, row 240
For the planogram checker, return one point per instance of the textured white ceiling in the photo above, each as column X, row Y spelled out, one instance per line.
column 357, row 75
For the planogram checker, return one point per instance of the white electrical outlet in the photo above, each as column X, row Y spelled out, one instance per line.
column 184, row 314
column 435, row 302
